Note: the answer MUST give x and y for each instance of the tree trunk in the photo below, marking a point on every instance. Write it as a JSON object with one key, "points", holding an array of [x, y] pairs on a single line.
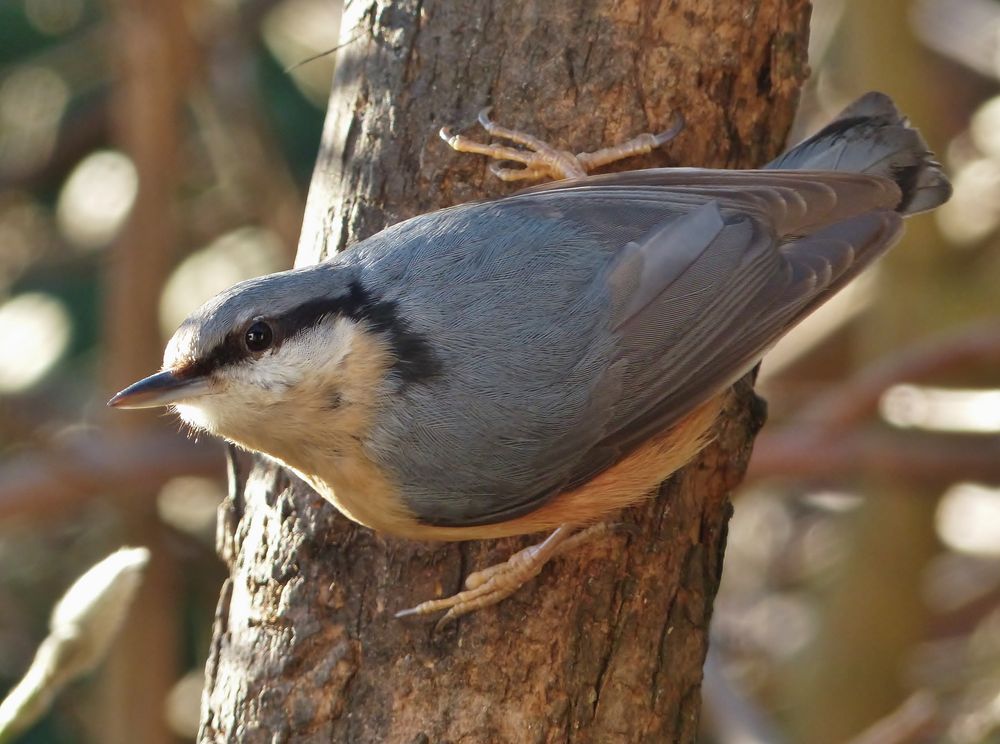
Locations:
{"points": [[607, 644]]}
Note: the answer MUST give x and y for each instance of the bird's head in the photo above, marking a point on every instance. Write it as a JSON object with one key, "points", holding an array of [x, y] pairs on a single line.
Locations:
{"points": [[282, 364]]}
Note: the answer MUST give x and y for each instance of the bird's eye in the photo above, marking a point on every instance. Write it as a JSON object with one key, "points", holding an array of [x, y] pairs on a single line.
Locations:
{"points": [[258, 336]]}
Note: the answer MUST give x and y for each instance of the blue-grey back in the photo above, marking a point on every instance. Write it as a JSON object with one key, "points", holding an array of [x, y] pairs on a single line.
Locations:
{"points": [[572, 321], [517, 313]]}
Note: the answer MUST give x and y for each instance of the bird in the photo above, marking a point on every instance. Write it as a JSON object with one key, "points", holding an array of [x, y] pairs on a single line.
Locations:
{"points": [[539, 361]]}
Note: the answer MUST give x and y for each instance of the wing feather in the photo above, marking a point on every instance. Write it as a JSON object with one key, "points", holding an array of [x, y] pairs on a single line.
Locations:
{"points": [[704, 271]]}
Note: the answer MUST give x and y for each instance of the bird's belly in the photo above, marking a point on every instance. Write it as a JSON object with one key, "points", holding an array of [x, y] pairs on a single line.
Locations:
{"points": [[625, 483], [363, 494]]}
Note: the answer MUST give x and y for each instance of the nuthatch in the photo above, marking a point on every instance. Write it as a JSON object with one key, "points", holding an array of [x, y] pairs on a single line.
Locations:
{"points": [[539, 361]]}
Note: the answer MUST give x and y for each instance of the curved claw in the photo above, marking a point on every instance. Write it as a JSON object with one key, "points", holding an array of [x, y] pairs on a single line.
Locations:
{"points": [[484, 118], [449, 617], [676, 127], [447, 135]]}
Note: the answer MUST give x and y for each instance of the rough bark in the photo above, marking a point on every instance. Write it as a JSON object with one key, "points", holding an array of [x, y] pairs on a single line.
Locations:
{"points": [[608, 643]]}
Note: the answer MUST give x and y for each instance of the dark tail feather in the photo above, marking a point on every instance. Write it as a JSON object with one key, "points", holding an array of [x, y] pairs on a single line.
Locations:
{"points": [[871, 136]]}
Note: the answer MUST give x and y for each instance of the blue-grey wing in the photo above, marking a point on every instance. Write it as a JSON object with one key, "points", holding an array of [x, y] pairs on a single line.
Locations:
{"points": [[572, 322]]}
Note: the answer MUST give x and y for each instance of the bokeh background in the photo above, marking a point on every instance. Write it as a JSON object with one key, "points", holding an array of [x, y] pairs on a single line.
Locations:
{"points": [[154, 152]]}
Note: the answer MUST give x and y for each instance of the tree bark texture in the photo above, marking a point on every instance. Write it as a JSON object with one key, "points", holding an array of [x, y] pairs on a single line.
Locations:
{"points": [[607, 644]]}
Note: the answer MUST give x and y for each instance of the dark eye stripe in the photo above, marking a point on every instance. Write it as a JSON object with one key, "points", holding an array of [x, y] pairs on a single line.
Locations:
{"points": [[415, 361], [230, 351]]}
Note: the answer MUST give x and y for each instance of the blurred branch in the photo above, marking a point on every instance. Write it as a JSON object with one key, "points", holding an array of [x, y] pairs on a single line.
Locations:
{"points": [[964, 30], [83, 131], [730, 716], [826, 438], [254, 177], [857, 399], [84, 623], [52, 482], [155, 59], [801, 451], [87, 126], [964, 619], [911, 722]]}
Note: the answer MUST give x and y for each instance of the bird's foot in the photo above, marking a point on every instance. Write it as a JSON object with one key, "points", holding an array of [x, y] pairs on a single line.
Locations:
{"points": [[494, 584], [541, 160]]}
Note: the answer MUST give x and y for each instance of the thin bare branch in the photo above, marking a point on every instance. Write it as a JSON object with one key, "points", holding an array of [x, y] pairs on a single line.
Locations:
{"points": [[801, 451], [52, 482], [857, 399], [910, 722]]}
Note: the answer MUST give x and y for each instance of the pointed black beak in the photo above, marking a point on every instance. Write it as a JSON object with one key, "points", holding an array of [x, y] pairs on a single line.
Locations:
{"points": [[160, 389]]}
